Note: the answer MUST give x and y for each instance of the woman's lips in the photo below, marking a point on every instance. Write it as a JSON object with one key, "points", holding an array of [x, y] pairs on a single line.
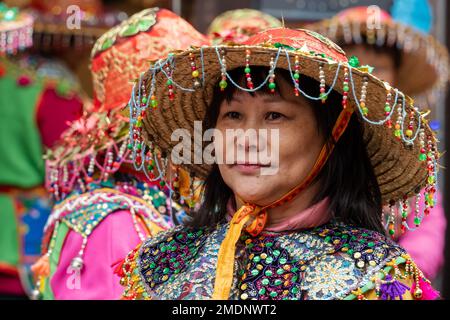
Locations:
{"points": [[249, 167]]}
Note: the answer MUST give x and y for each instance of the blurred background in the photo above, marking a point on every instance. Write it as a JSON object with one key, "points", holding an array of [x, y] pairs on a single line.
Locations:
{"points": [[61, 56]]}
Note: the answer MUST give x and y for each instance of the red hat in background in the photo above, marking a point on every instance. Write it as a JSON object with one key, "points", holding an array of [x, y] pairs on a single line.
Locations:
{"points": [[96, 145]]}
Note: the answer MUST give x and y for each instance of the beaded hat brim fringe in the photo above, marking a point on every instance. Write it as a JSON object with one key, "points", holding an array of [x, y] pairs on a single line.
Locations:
{"points": [[424, 68], [395, 159], [17, 34], [95, 146]]}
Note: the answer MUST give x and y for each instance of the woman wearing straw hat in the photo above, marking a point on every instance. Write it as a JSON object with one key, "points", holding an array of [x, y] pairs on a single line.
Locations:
{"points": [[104, 206], [305, 224], [238, 25], [416, 63]]}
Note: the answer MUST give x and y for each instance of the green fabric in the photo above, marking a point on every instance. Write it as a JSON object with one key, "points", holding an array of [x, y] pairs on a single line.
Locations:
{"points": [[21, 162], [9, 243], [61, 233]]}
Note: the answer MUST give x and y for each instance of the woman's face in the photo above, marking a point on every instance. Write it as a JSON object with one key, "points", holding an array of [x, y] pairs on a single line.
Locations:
{"points": [[298, 144]]}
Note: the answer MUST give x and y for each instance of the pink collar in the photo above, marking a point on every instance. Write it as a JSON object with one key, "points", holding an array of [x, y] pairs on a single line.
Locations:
{"points": [[311, 217]]}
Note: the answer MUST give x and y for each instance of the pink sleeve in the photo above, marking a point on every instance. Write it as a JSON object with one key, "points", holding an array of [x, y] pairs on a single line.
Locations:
{"points": [[426, 244], [110, 241]]}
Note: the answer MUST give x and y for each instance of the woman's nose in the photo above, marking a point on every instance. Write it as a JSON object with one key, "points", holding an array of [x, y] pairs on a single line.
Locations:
{"points": [[249, 140], [250, 143]]}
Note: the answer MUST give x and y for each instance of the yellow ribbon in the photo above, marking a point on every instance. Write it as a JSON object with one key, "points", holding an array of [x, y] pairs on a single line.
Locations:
{"points": [[225, 259]]}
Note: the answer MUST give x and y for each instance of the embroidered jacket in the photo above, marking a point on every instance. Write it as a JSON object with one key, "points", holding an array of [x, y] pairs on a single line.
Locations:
{"points": [[83, 211], [125, 212], [333, 261]]}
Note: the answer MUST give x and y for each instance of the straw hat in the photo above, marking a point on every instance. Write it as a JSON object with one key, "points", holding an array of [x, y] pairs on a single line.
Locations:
{"points": [[16, 29], [238, 25], [122, 53], [424, 69], [401, 146], [70, 24], [96, 145]]}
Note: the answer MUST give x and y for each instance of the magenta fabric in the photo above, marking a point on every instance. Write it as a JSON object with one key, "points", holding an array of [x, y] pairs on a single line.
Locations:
{"points": [[426, 244], [110, 241], [54, 114], [11, 285], [314, 216]]}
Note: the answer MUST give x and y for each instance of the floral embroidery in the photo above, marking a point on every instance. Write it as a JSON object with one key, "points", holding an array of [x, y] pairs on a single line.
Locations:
{"points": [[329, 275]]}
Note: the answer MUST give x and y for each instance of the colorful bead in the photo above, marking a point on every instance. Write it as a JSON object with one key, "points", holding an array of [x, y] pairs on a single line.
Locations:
{"points": [[362, 99], [345, 88], [247, 69], [354, 62], [387, 110], [195, 73], [153, 102], [272, 85], [398, 122], [323, 95], [223, 83], [296, 76], [170, 83]]}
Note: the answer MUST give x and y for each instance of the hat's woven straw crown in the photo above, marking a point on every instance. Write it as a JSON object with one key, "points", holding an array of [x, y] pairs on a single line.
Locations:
{"points": [[396, 162]]}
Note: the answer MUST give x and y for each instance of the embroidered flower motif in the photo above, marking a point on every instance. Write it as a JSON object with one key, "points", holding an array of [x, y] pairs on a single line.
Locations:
{"points": [[326, 277]]}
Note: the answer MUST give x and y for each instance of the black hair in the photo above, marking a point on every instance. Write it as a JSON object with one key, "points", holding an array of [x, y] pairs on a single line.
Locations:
{"points": [[347, 179]]}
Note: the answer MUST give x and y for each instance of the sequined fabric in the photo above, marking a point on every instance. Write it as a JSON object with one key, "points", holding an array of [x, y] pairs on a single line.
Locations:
{"points": [[324, 263]]}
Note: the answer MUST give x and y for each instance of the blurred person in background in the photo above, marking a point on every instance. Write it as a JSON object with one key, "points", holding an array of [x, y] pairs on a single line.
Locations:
{"points": [[104, 205], [39, 97], [236, 26]]}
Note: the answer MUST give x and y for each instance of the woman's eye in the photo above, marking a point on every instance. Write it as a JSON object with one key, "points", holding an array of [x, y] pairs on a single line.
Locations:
{"points": [[232, 115], [273, 116]]}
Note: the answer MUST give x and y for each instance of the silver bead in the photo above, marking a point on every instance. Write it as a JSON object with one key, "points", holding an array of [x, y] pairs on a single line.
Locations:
{"points": [[77, 263], [35, 294]]}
